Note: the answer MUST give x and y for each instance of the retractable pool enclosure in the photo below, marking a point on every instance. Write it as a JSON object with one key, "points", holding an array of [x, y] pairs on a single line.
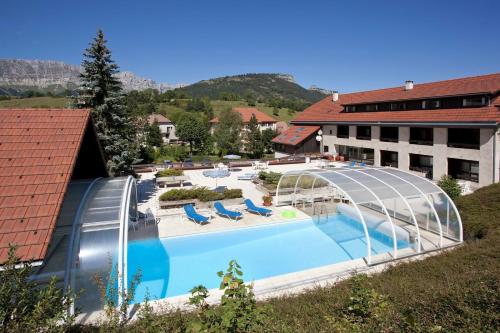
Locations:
{"points": [[98, 240], [411, 213]]}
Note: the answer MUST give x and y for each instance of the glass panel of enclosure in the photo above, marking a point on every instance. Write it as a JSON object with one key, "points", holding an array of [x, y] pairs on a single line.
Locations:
{"points": [[96, 245], [427, 223], [285, 189], [393, 208], [358, 211]]}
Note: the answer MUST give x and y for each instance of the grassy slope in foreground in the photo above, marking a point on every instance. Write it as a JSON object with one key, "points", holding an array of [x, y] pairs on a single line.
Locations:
{"points": [[457, 291], [36, 102]]}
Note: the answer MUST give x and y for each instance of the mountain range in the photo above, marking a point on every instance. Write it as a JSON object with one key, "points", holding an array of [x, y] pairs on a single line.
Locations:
{"points": [[18, 75]]}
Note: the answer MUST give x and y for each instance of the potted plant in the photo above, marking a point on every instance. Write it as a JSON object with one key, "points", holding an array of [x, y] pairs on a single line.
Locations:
{"points": [[267, 200]]}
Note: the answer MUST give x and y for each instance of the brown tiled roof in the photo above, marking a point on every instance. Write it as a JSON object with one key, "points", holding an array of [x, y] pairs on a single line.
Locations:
{"points": [[295, 135], [470, 85], [246, 114], [38, 150], [328, 111], [159, 118]]}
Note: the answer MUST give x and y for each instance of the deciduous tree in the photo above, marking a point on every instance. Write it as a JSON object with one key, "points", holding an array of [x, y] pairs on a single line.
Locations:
{"points": [[228, 132]]}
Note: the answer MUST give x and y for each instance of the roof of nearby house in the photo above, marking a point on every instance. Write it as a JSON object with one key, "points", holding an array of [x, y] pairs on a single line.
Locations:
{"points": [[159, 118], [38, 151], [295, 135], [328, 111], [246, 114]]}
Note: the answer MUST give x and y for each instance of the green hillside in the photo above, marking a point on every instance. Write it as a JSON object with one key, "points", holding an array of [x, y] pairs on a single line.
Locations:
{"points": [[262, 86], [36, 102], [170, 111]]}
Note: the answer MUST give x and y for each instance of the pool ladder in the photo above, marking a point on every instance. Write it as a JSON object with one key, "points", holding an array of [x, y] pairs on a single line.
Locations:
{"points": [[318, 210]]}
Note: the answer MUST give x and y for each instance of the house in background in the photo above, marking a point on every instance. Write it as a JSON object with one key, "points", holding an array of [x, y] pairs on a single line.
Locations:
{"points": [[296, 140], [281, 126], [441, 128], [167, 127], [264, 121]]}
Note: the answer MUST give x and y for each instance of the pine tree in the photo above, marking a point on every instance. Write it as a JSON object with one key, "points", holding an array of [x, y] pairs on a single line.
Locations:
{"points": [[254, 143], [101, 91]]}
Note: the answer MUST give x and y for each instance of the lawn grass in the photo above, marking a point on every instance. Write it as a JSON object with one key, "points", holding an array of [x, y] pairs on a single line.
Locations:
{"points": [[284, 113], [36, 102], [456, 291]]}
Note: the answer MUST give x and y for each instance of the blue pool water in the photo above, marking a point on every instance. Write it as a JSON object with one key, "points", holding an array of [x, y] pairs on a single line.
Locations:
{"points": [[172, 266]]}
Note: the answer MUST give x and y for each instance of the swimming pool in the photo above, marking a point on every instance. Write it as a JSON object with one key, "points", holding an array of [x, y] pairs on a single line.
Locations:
{"points": [[173, 266]]}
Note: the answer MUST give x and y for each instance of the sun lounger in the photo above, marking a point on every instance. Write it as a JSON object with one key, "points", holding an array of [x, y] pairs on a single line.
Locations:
{"points": [[257, 210], [222, 211], [247, 176], [194, 216], [352, 164]]}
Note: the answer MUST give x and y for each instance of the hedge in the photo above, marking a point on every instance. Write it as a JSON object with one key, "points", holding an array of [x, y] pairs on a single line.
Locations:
{"points": [[201, 193]]}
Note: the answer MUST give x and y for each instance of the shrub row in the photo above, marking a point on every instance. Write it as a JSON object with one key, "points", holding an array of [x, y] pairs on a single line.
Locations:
{"points": [[169, 173], [201, 193]]}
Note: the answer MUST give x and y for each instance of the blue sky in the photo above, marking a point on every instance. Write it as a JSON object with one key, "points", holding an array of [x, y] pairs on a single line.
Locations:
{"points": [[343, 45]]}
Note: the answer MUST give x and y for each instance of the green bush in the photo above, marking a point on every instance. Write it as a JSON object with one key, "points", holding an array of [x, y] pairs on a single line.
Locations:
{"points": [[238, 310], [201, 193], [169, 173], [27, 306], [232, 193], [450, 186], [270, 177]]}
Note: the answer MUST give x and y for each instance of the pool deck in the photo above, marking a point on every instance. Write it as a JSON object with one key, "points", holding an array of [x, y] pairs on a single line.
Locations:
{"points": [[177, 224]]}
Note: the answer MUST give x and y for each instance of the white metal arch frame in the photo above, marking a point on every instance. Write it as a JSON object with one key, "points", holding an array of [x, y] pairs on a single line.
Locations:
{"points": [[459, 218], [407, 205], [365, 228], [395, 241], [426, 199]]}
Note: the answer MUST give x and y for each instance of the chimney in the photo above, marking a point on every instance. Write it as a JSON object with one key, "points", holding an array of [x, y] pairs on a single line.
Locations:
{"points": [[335, 95], [409, 85]]}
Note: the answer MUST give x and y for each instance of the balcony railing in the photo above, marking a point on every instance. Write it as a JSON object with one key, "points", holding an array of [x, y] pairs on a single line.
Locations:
{"points": [[463, 145], [421, 142], [388, 139]]}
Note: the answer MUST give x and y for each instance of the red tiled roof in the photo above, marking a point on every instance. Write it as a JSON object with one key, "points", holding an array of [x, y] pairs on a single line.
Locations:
{"points": [[159, 118], [246, 114], [38, 149], [463, 86], [295, 135], [327, 110]]}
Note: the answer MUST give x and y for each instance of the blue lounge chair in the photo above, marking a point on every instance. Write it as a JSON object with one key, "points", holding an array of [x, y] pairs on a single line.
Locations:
{"points": [[352, 164], [222, 211], [194, 216], [362, 164], [257, 210]]}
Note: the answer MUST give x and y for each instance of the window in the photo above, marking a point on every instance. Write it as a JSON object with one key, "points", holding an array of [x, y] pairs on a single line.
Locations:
{"points": [[371, 107], [389, 134], [475, 101], [357, 154], [342, 131], [463, 169], [463, 138], [389, 158], [398, 106], [431, 104], [421, 163], [331, 132], [325, 149], [350, 108], [422, 136], [363, 132]]}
